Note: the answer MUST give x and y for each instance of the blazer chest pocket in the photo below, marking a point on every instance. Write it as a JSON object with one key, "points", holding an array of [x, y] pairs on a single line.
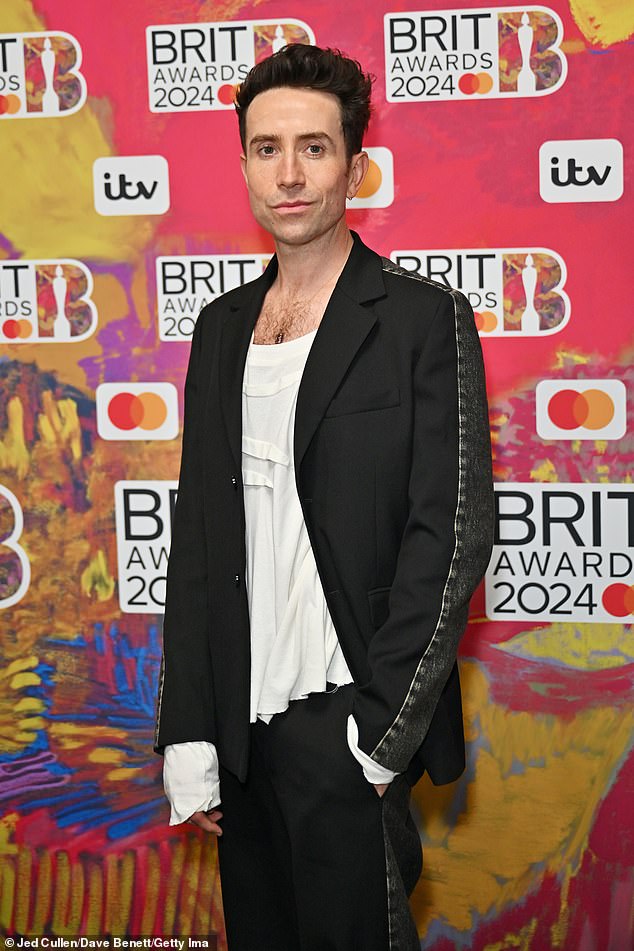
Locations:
{"points": [[348, 401], [379, 605]]}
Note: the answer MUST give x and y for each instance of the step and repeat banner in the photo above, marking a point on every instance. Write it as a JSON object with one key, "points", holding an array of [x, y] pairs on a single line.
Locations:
{"points": [[501, 164]]}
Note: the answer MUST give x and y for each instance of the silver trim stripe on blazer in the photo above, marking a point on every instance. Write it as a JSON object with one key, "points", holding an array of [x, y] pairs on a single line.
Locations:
{"points": [[417, 710]]}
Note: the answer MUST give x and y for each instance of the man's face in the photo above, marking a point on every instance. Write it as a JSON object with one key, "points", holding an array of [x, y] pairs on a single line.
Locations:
{"points": [[295, 166]]}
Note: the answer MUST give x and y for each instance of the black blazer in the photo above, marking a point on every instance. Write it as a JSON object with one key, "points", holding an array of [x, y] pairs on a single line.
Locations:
{"points": [[393, 471]]}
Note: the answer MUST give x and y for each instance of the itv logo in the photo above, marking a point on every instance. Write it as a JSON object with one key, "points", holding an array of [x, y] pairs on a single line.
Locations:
{"points": [[131, 185], [581, 170]]}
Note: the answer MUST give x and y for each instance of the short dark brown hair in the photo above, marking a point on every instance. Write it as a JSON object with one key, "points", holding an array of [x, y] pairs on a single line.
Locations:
{"points": [[310, 67]]}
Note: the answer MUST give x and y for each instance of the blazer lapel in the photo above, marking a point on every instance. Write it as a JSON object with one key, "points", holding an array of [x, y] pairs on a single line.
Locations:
{"points": [[342, 330], [234, 344]]}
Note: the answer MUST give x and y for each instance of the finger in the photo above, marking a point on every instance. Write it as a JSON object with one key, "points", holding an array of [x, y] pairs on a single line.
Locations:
{"points": [[207, 822]]}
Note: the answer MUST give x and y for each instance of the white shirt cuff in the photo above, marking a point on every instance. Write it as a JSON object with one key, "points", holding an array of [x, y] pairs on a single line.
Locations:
{"points": [[191, 779], [373, 772]]}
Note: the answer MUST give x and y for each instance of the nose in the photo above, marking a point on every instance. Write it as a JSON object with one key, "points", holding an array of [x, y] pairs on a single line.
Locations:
{"points": [[290, 172]]}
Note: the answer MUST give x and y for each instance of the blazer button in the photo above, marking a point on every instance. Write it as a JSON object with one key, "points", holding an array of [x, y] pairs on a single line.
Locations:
{"points": [[236, 581], [234, 483]]}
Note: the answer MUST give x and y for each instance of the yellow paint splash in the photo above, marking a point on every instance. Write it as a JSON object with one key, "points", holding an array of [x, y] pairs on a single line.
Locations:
{"points": [[124, 774], [68, 896], [559, 928], [26, 679], [13, 452], [566, 358], [19, 719], [7, 828], [521, 941], [604, 22], [119, 886], [95, 899], [104, 754], [97, 580], [71, 736], [572, 46], [59, 424], [544, 472], [23, 874], [583, 647], [152, 887]]}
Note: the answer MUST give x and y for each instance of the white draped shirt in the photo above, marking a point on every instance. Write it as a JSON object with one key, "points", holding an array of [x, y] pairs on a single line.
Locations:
{"points": [[294, 646]]}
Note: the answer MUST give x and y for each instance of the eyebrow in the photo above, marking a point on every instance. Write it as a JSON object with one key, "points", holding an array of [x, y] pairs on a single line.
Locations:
{"points": [[258, 139]]}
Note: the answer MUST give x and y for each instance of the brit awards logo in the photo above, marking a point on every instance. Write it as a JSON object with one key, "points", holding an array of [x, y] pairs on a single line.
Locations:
{"points": [[377, 188], [46, 301], [187, 283], [562, 552], [39, 75], [580, 409], [514, 292], [15, 569], [137, 410], [436, 55], [143, 516], [196, 66]]}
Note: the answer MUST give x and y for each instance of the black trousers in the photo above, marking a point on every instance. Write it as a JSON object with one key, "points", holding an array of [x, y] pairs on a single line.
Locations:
{"points": [[311, 858]]}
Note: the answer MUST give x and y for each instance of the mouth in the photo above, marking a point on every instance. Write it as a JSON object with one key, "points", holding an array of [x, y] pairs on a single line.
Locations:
{"points": [[291, 206]]}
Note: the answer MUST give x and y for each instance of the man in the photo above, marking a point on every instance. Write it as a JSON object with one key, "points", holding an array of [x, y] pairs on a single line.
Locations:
{"points": [[334, 516]]}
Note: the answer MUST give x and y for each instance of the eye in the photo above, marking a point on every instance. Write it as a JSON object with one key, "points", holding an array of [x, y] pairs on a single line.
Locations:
{"points": [[315, 148], [266, 150]]}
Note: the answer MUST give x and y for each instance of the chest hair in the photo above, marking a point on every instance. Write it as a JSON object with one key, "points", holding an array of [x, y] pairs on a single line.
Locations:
{"points": [[283, 320]]}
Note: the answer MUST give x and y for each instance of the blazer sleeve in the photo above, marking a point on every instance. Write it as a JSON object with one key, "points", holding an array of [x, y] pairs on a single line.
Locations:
{"points": [[445, 547], [184, 706]]}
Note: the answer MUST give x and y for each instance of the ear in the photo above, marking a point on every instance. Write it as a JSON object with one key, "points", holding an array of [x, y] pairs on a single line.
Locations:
{"points": [[359, 165], [243, 166]]}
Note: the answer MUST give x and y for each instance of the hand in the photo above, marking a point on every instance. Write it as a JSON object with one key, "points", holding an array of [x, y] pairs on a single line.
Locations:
{"points": [[380, 788], [207, 821]]}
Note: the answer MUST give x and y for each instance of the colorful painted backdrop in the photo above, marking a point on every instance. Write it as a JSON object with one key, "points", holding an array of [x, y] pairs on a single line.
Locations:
{"points": [[500, 138]]}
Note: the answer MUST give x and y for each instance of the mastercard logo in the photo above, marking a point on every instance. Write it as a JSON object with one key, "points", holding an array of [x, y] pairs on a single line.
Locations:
{"points": [[147, 411], [581, 409], [377, 188], [618, 599], [486, 321], [471, 84], [137, 411], [10, 104], [569, 409], [17, 329]]}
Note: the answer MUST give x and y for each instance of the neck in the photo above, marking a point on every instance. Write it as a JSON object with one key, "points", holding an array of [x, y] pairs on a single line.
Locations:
{"points": [[303, 268]]}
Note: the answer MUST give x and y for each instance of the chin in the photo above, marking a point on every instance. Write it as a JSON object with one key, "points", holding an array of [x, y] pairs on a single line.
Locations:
{"points": [[296, 234]]}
